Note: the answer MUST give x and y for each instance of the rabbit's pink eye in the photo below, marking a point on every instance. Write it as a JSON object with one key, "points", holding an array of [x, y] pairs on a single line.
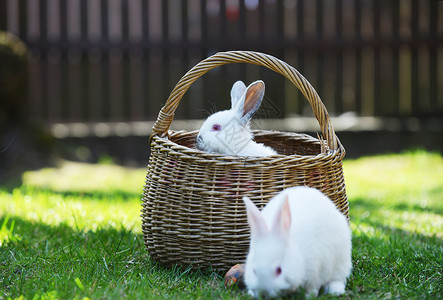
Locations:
{"points": [[278, 271], [216, 127]]}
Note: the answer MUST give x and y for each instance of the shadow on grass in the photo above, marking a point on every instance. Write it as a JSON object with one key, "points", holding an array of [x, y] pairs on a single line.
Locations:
{"points": [[49, 258], [369, 205], [106, 263], [23, 147], [99, 195], [390, 259]]}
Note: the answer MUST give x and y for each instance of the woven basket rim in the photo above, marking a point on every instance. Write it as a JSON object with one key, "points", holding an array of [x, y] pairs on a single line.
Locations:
{"points": [[197, 154]]}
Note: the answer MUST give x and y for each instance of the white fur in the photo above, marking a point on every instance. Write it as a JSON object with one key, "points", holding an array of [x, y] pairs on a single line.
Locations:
{"points": [[235, 136], [306, 236]]}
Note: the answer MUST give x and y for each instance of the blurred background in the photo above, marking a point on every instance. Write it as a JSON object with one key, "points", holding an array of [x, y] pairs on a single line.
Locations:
{"points": [[88, 77]]}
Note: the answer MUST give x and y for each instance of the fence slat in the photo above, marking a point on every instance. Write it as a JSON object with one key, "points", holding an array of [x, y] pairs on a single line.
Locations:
{"points": [[338, 103], [3, 18], [395, 56], [414, 59], [358, 69], [300, 52], [433, 18]]}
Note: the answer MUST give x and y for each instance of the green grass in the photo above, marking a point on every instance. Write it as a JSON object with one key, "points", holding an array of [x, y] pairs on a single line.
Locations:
{"points": [[75, 232]]}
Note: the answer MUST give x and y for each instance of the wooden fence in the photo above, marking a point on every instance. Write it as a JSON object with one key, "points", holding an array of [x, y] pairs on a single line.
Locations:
{"points": [[117, 60]]}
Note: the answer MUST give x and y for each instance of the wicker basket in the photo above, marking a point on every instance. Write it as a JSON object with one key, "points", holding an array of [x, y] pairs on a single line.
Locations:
{"points": [[193, 213]]}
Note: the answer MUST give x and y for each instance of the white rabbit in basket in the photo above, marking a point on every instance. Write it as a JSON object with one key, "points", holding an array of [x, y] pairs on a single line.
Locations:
{"points": [[299, 240], [228, 132]]}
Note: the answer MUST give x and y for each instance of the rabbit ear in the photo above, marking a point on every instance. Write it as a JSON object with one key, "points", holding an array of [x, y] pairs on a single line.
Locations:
{"points": [[250, 101], [255, 219], [237, 91], [282, 222]]}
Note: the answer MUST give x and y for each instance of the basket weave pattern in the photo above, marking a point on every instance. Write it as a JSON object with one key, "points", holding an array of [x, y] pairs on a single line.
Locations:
{"points": [[193, 211]]}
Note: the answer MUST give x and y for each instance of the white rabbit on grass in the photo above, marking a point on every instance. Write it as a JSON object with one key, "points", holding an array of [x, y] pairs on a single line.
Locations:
{"points": [[299, 240], [228, 132]]}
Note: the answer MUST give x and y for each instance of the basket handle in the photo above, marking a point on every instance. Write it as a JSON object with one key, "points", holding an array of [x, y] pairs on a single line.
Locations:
{"points": [[166, 114]]}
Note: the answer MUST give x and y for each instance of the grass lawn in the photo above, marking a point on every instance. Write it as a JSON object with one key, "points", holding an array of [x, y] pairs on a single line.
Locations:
{"points": [[75, 232]]}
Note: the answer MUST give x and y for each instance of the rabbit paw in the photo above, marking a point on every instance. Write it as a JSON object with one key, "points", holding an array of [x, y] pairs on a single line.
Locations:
{"points": [[335, 288]]}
